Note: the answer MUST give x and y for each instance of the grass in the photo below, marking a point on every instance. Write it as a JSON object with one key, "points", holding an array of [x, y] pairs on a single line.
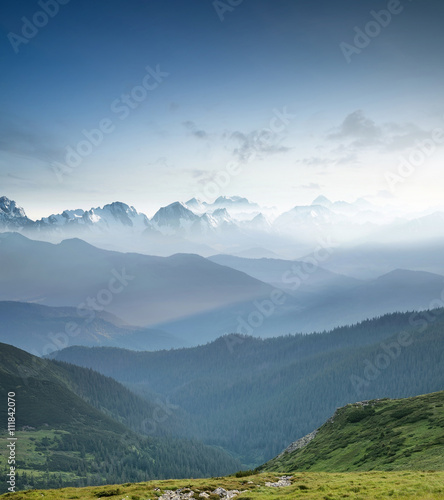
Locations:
{"points": [[34, 454], [403, 434], [416, 485]]}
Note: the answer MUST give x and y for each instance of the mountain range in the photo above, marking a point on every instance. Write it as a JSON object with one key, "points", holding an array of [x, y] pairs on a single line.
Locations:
{"points": [[231, 225], [41, 329], [182, 300]]}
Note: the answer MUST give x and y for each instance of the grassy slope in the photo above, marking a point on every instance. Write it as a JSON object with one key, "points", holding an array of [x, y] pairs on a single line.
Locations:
{"points": [[307, 485], [384, 435], [396, 434]]}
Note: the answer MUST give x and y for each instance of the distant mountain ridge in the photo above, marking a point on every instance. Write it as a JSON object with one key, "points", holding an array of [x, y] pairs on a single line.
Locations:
{"points": [[185, 299], [231, 225], [42, 329], [142, 290]]}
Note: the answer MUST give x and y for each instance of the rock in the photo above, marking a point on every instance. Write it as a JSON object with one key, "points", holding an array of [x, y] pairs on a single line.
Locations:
{"points": [[283, 481], [204, 495], [220, 491], [300, 443], [226, 495], [232, 493], [176, 495]]}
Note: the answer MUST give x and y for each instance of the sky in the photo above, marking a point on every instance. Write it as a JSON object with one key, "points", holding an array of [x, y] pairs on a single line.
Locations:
{"points": [[154, 101]]}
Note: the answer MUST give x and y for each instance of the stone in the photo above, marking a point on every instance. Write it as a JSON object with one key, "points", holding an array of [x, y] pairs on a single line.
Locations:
{"points": [[283, 481]]}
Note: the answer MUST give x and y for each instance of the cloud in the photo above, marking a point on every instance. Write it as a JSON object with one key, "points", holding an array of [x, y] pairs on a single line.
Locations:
{"points": [[196, 172], [358, 128], [256, 144], [316, 161], [161, 161], [358, 131], [193, 129], [203, 177], [312, 186], [243, 146], [405, 136], [16, 180], [339, 156]]}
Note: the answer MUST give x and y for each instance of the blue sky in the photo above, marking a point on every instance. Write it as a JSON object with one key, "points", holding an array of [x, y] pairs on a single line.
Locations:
{"points": [[255, 98]]}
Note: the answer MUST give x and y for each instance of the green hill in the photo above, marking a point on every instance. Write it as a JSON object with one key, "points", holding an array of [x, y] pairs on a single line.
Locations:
{"points": [[379, 435], [65, 439]]}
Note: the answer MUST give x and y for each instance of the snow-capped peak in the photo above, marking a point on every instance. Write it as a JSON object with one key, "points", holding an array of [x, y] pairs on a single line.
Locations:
{"points": [[12, 216], [323, 201], [221, 214], [234, 201], [9, 208], [174, 216], [116, 214], [196, 205]]}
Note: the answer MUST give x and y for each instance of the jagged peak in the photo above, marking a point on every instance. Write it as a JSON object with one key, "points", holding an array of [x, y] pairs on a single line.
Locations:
{"points": [[9, 207], [322, 200]]}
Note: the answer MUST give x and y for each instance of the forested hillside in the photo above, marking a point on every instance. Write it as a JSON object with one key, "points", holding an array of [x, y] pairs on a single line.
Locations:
{"points": [[253, 397], [65, 440]]}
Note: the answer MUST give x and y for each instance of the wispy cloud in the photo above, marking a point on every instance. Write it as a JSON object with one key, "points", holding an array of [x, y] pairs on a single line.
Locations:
{"points": [[162, 161], [338, 156], [316, 161], [357, 127], [357, 131], [256, 144], [194, 130]]}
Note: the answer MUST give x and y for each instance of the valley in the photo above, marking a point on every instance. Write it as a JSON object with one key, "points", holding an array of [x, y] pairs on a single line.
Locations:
{"points": [[221, 250]]}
